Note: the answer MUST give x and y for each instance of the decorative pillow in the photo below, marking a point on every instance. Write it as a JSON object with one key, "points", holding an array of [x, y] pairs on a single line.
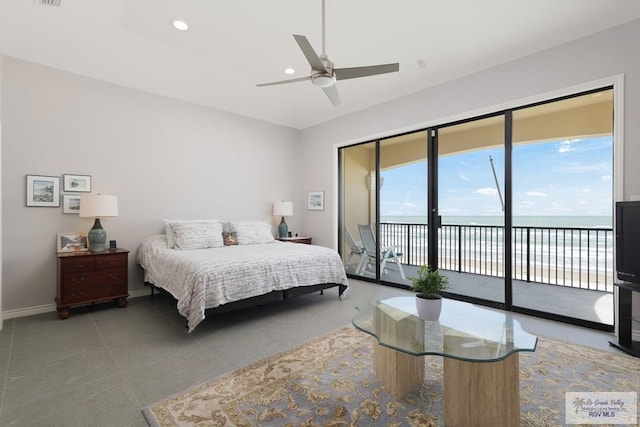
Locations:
{"points": [[230, 238], [171, 241], [252, 232], [197, 235]]}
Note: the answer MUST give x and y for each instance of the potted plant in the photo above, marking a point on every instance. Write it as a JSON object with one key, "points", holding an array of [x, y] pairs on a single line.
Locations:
{"points": [[429, 284]]}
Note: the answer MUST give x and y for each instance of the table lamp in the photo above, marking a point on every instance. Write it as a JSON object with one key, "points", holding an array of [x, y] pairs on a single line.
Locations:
{"points": [[283, 209], [98, 206]]}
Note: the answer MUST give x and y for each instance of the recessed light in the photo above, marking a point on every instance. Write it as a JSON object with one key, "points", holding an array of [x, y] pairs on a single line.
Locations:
{"points": [[289, 70], [180, 25]]}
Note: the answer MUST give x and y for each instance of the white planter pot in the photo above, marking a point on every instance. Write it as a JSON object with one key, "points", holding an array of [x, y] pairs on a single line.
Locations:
{"points": [[428, 309]]}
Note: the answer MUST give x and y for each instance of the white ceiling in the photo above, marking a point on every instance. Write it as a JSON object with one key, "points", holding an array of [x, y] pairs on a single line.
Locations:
{"points": [[232, 45]]}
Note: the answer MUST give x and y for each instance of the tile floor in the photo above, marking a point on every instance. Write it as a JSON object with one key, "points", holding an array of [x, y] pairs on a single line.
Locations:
{"points": [[103, 364]]}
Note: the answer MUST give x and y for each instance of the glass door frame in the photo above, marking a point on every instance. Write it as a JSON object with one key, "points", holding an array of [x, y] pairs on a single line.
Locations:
{"points": [[433, 218]]}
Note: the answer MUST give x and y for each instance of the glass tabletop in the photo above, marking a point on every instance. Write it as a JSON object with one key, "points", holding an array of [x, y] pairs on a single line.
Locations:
{"points": [[464, 331]]}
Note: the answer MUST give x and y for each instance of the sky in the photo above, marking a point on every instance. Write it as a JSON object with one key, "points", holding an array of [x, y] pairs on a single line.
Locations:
{"points": [[560, 178]]}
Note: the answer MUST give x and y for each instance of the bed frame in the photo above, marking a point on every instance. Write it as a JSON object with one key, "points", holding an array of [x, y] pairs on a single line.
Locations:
{"points": [[272, 296]]}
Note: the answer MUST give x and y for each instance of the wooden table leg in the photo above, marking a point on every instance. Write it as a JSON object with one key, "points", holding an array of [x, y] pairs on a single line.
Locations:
{"points": [[482, 394], [399, 372]]}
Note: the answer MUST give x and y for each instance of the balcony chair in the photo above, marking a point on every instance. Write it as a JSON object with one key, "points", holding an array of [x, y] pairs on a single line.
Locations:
{"points": [[356, 248], [387, 254]]}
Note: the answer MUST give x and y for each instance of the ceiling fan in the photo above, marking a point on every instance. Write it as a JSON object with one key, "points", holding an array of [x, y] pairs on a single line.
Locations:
{"points": [[323, 73]]}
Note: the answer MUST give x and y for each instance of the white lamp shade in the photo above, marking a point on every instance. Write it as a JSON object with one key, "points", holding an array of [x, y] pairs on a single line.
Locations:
{"points": [[98, 205], [279, 208]]}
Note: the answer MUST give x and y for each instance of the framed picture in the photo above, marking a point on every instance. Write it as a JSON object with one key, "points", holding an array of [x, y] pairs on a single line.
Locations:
{"points": [[77, 183], [43, 191], [315, 201], [70, 204], [72, 242]]}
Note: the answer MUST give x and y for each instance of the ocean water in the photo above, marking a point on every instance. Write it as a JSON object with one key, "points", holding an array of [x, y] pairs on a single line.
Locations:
{"points": [[590, 248], [524, 221]]}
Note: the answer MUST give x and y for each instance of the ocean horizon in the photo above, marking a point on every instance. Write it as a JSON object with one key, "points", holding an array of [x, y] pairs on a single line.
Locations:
{"points": [[524, 221]]}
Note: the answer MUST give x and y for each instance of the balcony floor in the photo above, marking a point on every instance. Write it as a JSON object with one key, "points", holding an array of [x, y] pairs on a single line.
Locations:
{"points": [[584, 304]]}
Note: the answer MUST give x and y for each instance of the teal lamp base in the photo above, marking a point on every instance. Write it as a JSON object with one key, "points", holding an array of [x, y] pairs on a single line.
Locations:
{"points": [[283, 229], [97, 237]]}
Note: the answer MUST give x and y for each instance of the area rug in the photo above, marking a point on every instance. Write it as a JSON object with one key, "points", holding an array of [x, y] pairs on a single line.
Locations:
{"points": [[329, 382]]}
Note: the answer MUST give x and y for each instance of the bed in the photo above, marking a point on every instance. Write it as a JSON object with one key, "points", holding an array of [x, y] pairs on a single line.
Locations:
{"points": [[253, 270]]}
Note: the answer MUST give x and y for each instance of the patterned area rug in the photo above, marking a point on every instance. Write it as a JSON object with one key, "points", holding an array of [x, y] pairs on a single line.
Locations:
{"points": [[329, 382]]}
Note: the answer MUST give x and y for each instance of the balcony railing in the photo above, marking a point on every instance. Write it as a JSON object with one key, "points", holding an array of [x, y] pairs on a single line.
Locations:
{"points": [[564, 256]]}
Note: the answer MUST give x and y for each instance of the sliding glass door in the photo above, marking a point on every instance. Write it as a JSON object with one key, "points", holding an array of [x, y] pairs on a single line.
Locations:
{"points": [[562, 211], [402, 230], [383, 208], [515, 207], [471, 206]]}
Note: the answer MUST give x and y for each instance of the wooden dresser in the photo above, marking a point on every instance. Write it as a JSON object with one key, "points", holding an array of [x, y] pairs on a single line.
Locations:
{"points": [[91, 277]]}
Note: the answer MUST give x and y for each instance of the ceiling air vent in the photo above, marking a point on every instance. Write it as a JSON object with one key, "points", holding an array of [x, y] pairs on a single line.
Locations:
{"points": [[55, 3]]}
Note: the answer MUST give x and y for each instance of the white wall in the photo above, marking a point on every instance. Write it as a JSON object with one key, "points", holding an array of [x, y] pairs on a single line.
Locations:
{"points": [[163, 159], [1, 150], [600, 56]]}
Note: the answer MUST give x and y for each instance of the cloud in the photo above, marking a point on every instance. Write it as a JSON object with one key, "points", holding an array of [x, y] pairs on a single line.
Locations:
{"points": [[487, 191], [535, 194], [586, 190], [409, 205], [606, 178], [463, 177], [567, 145]]}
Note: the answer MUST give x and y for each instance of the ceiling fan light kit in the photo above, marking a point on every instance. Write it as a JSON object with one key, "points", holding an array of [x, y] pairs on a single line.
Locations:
{"points": [[324, 75], [323, 80]]}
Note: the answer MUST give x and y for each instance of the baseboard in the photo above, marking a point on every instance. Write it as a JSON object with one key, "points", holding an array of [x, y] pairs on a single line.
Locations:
{"points": [[47, 308]]}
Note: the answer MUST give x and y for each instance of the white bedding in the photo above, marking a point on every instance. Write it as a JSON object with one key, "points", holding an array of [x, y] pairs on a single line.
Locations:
{"points": [[207, 278]]}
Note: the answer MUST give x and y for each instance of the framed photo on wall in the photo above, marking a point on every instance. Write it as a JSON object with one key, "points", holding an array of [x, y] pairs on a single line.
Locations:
{"points": [[77, 183], [72, 242], [43, 191], [315, 201], [70, 204]]}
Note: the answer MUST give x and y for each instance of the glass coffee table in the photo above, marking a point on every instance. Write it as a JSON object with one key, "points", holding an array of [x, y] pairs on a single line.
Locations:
{"points": [[480, 349]]}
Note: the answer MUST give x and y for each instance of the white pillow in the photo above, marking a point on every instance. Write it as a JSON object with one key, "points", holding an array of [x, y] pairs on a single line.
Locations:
{"points": [[197, 235], [171, 241], [252, 232]]}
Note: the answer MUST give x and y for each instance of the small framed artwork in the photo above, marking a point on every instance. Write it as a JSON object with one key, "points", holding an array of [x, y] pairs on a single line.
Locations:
{"points": [[315, 201], [77, 183], [43, 191], [72, 242], [70, 204]]}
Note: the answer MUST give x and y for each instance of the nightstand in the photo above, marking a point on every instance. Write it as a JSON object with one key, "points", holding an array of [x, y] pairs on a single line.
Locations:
{"points": [[299, 239], [92, 277]]}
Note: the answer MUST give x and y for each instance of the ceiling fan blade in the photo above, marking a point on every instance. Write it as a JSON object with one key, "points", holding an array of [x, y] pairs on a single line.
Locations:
{"points": [[372, 70], [332, 93], [281, 82], [309, 53]]}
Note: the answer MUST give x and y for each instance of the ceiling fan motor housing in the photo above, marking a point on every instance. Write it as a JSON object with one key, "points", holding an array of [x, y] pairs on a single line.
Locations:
{"points": [[324, 79]]}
